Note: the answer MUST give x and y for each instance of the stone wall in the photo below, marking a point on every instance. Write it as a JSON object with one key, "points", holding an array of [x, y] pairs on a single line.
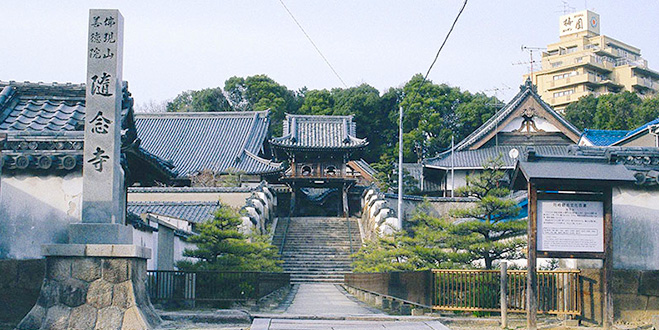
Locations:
{"points": [[635, 299], [20, 284], [439, 206]]}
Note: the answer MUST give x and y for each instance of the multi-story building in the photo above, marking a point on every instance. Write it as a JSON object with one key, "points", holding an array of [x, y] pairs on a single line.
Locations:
{"points": [[584, 62]]}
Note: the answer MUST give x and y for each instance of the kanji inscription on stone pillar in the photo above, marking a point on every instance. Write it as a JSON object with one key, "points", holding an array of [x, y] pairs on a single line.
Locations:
{"points": [[102, 173]]}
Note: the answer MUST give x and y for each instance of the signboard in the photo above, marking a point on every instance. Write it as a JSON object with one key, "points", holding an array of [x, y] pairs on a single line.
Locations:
{"points": [[579, 22], [570, 226]]}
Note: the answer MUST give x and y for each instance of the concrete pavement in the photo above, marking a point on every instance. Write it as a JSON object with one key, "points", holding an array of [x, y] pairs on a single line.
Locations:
{"points": [[319, 306]]}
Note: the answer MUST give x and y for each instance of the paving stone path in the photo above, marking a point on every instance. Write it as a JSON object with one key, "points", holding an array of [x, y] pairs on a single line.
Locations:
{"points": [[323, 306]]}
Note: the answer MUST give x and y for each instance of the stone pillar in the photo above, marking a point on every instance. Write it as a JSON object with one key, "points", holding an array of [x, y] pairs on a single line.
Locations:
{"points": [[93, 287], [98, 281]]}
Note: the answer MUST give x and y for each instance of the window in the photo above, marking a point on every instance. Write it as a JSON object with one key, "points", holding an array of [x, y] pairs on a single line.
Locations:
{"points": [[571, 49], [564, 93]]}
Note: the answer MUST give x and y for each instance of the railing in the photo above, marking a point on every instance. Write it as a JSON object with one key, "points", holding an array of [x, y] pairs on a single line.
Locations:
{"points": [[163, 285], [283, 237], [559, 292], [479, 290]]}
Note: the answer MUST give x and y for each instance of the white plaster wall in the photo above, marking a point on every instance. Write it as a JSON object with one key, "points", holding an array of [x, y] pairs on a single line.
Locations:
{"points": [[236, 200], [636, 228], [147, 239], [35, 210], [180, 246], [540, 123]]}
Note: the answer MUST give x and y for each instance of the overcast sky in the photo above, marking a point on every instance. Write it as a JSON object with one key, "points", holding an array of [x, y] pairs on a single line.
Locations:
{"points": [[172, 46]]}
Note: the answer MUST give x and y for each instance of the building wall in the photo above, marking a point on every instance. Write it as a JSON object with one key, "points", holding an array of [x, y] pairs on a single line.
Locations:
{"points": [[36, 210], [233, 199], [636, 228]]}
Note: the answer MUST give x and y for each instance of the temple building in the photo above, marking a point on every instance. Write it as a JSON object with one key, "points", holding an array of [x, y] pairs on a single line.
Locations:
{"points": [[209, 148], [321, 152], [525, 121]]}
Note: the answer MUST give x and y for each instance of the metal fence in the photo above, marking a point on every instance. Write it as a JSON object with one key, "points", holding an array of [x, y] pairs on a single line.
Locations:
{"points": [[559, 292], [164, 285], [480, 290]]}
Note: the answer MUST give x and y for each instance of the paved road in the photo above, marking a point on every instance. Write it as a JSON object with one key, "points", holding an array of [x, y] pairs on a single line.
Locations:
{"points": [[327, 306], [326, 299]]}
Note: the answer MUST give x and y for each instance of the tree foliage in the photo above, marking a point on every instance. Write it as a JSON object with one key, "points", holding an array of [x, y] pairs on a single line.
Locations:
{"points": [[490, 230], [432, 115], [621, 111], [221, 246], [205, 100]]}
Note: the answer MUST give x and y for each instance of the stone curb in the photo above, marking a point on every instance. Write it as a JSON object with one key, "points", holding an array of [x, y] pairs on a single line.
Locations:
{"points": [[213, 317]]}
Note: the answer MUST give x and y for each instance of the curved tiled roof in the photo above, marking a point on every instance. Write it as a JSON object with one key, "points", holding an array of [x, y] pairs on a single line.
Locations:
{"points": [[319, 132], [218, 141], [474, 159], [600, 137], [41, 107], [195, 212]]}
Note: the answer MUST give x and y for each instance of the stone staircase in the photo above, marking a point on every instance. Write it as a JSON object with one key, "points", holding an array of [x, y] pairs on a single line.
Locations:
{"points": [[317, 249]]}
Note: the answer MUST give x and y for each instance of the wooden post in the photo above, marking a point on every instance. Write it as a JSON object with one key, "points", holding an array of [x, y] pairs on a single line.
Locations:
{"points": [[532, 276], [504, 294], [608, 260]]}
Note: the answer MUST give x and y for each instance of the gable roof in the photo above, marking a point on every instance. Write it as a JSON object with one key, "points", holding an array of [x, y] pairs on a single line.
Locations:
{"points": [[44, 123], [490, 127], [633, 134], [319, 132], [194, 212], [601, 137], [217, 141]]}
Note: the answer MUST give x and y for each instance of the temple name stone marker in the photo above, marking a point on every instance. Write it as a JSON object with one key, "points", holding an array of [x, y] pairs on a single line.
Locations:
{"points": [[98, 280], [103, 212]]}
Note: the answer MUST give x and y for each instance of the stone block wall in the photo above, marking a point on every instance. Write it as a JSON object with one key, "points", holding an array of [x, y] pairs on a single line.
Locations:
{"points": [[635, 298], [20, 283]]}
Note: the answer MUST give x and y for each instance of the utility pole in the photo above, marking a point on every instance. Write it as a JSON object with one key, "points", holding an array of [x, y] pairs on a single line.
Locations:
{"points": [[400, 167]]}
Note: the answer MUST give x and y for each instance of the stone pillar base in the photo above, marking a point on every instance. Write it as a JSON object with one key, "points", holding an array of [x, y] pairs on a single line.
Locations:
{"points": [[93, 287]]}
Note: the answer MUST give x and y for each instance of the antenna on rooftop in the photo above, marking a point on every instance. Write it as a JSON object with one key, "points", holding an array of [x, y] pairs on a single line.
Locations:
{"points": [[567, 9], [496, 91], [531, 62]]}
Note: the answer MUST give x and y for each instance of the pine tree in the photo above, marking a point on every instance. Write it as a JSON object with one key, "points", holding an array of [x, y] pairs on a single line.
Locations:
{"points": [[220, 246], [490, 230]]}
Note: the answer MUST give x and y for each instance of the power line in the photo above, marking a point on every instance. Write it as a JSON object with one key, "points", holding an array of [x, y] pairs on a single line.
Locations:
{"points": [[445, 39], [400, 122], [312, 43]]}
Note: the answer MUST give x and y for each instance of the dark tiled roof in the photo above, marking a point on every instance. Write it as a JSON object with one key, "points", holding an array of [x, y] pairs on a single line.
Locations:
{"points": [[41, 107], [600, 137], [218, 141], [474, 159], [319, 132], [526, 90], [195, 212], [575, 168], [45, 121]]}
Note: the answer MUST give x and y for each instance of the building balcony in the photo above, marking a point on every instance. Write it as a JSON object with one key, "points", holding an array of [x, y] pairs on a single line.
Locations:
{"points": [[566, 99], [643, 83], [580, 60], [572, 80]]}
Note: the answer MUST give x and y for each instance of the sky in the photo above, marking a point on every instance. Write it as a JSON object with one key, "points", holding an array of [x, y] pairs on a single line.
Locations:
{"points": [[174, 46]]}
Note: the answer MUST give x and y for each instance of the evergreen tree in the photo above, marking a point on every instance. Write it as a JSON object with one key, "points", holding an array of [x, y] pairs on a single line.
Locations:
{"points": [[220, 246], [490, 230]]}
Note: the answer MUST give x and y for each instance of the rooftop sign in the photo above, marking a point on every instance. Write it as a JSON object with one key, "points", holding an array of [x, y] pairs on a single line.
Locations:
{"points": [[585, 20]]}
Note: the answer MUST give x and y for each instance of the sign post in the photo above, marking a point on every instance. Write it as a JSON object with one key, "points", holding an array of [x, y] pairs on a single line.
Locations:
{"points": [[570, 203]]}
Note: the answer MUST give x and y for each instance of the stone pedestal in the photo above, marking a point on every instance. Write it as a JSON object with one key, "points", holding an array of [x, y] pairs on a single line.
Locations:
{"points": [[93, 286]]}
